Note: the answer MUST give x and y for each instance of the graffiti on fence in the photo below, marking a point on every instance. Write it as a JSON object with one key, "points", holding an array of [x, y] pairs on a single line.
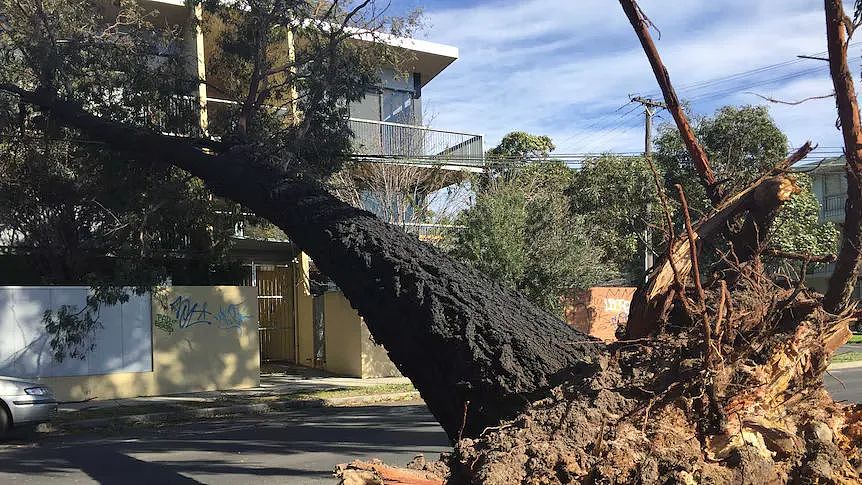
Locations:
{"points": [[185, 312], [190, 313], [618, 308], [231, 316]]}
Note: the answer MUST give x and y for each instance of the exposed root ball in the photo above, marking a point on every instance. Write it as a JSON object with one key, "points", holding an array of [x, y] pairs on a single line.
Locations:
{"points": [[752, 410]]}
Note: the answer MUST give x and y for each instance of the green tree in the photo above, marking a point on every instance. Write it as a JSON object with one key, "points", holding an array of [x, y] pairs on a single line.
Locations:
{"points": [[742, 143], [66, 214], [617, 196], [521, 233], [522, 145], [514, 150], [797, 228]]}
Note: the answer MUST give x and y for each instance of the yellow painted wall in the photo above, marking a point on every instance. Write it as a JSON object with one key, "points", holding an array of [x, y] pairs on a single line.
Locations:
{"points": [[343, 336], [204, 338], [304, 314], [375, 359], [350, 350]]}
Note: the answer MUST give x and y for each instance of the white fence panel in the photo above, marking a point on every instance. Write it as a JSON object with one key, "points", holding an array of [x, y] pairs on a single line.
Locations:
{"points": [[123, 343]]}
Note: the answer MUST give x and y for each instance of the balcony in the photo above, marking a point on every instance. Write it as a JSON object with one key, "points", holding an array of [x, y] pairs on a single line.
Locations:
{"points": [[396, 142], [419, 145], [832, 207], [252, 227], [435, 234]]}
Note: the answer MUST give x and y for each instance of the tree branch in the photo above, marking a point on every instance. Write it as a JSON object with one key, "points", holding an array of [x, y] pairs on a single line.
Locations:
{"points": [[811, 258], [791, 103], [695, 151]]}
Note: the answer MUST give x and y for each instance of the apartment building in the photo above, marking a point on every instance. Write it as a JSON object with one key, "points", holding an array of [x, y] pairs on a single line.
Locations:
{"points": [[299, 321], [829, 184]]}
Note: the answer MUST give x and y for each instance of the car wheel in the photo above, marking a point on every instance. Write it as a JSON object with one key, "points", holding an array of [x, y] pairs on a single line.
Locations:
{"points": [[5, 421]]}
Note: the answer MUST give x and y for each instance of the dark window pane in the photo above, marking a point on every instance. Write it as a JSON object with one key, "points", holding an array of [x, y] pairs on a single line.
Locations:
{"points": [[398, 107], [367, 108]]}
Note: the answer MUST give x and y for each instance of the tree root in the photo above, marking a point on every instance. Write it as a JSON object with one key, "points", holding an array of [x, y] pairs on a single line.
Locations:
{"points": [[657, 412]]}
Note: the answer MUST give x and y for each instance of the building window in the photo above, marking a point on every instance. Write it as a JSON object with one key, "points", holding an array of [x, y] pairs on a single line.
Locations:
{"points": [[834, 184], [367, 108], [398, 107], [390, 105]]}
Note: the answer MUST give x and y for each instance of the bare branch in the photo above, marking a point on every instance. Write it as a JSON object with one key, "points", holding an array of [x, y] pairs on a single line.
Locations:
{"points": [[695, 150], [791, 103], [813, 258]]}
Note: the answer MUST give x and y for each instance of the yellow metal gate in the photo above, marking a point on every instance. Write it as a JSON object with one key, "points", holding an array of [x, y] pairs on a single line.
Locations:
{"points": [[276, 312]]}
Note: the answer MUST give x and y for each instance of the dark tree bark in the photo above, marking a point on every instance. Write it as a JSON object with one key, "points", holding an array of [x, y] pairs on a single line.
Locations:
{"points": [[476, 352]]}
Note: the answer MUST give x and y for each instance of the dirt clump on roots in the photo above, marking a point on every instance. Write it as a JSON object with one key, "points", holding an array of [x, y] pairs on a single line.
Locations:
{"points": [[751, 409]]}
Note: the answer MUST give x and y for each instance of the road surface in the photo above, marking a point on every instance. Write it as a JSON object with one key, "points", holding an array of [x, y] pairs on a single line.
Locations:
{"points": [[845, 384], [296, 447]]}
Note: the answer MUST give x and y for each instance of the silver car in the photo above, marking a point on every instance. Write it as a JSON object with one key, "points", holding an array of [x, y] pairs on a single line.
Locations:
{"points": [[24, 403]]}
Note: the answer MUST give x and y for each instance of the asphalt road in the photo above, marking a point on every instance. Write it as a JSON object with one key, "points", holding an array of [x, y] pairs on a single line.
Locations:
{"points": [[845, 384], [296, 447]]}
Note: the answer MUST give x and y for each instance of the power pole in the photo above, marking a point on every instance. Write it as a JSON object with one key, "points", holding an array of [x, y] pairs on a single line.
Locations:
{"points": [[650, 108]]}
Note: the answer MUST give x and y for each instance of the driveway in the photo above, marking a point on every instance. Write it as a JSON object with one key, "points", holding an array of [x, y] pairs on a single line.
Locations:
{"points": [[298, 447]]}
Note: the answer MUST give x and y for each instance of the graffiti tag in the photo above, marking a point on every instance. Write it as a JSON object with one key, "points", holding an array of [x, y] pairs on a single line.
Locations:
{"points": [[231, 316], [617, 305], [189, 313], [620, 308]]}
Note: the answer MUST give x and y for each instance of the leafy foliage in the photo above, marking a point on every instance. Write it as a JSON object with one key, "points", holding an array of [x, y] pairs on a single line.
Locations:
{"points": [[617, 197], [521, 232], [76, 211], [73, 211], [519, 144], [514, 150], [289, 71], [797, 227], [742, 143]]}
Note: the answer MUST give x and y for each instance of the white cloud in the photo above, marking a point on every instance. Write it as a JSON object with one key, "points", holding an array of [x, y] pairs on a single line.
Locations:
{"points": [[563, 68]]}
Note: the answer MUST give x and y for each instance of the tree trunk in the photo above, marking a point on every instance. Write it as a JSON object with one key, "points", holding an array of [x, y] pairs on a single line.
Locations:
{"points": [[843, 280], [476, 352]]}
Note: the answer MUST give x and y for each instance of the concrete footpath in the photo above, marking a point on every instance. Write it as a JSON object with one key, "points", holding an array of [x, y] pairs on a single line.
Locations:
{"points": [[285, 387], [281, 387], [854, 349]]}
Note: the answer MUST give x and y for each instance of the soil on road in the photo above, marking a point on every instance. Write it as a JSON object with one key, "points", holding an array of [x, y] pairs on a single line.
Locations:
{"points": [[299, 447]]}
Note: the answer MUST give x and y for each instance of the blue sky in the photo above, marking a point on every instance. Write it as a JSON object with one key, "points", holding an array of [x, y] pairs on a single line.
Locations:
{"points": [[565, 68]]}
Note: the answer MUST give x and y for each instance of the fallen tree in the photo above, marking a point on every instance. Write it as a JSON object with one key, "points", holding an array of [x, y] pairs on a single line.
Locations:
{"points": [[719, 381]]}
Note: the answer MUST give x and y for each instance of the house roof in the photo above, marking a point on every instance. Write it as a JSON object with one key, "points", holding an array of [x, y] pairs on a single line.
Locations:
{"points": [[825, 165], [427, 58]]}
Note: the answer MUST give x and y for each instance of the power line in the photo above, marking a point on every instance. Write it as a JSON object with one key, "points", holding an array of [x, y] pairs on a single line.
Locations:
{"points": [[742, 74], [617, 126]]}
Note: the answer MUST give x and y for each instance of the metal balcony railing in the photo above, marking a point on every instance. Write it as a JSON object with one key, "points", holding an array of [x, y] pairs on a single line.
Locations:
{"points": [[431, 233], [416, 144], [832, 206]]}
